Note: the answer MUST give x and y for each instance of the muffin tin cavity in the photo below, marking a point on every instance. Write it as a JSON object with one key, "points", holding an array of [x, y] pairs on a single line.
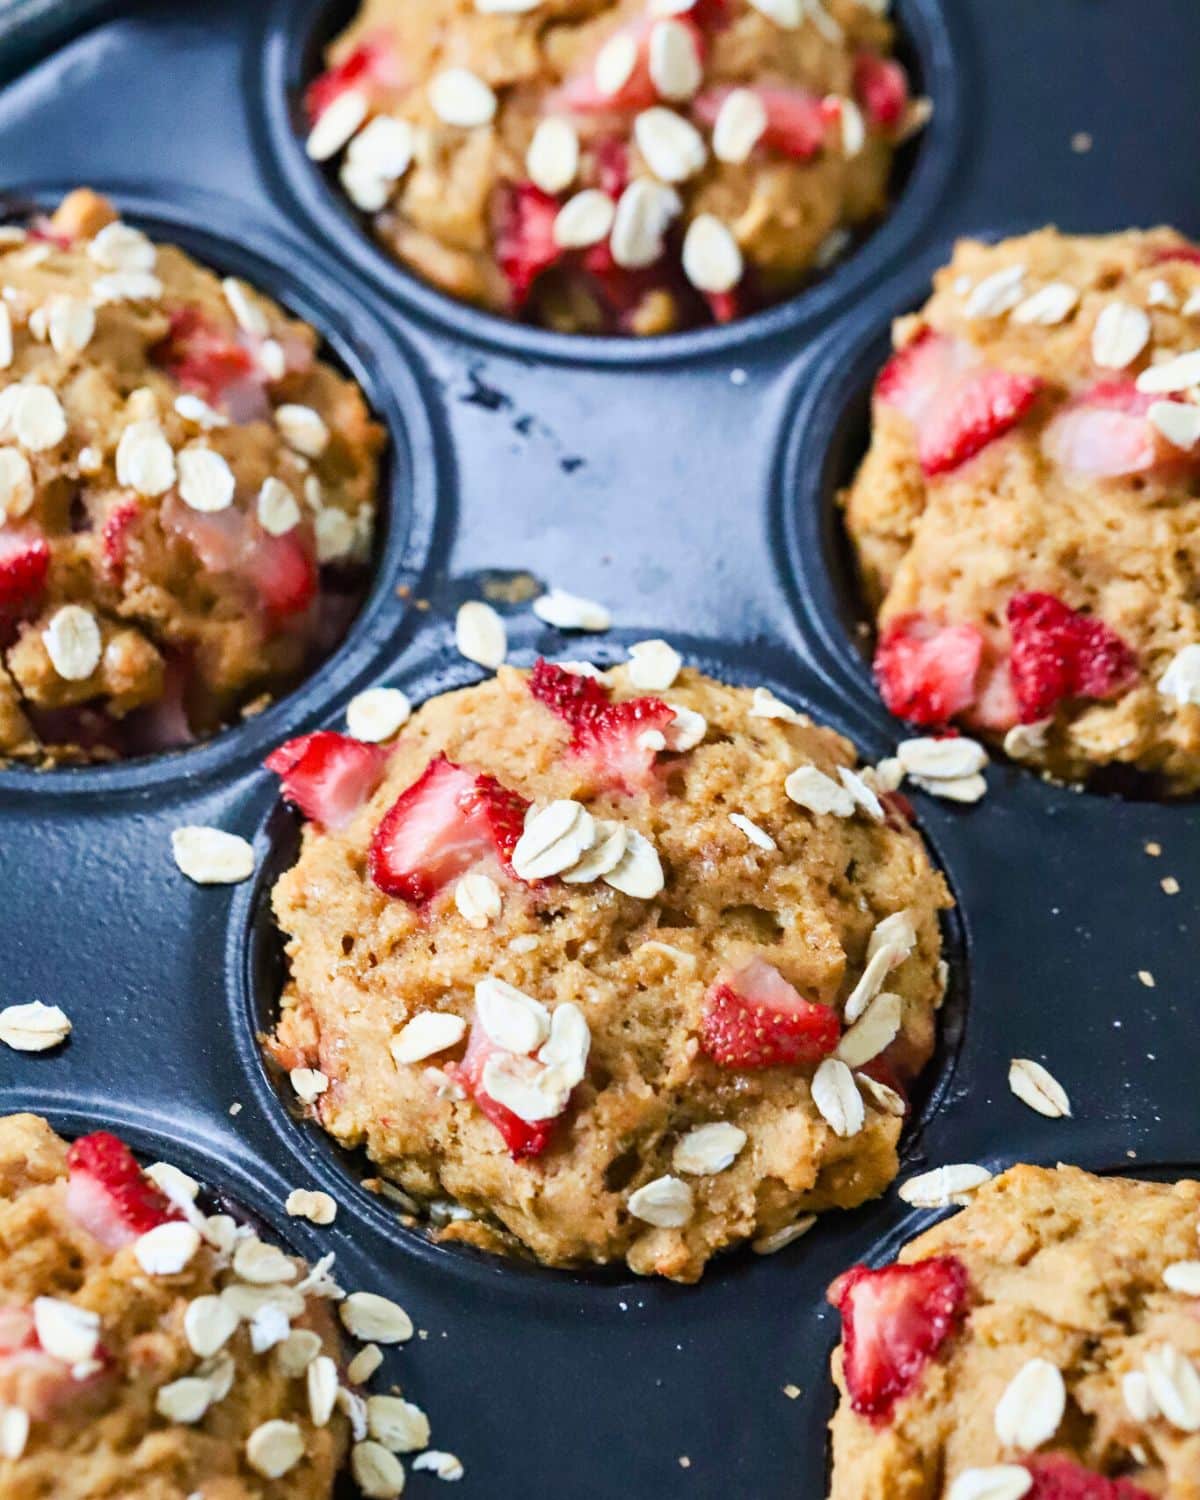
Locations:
{"points": [[927, 45]]}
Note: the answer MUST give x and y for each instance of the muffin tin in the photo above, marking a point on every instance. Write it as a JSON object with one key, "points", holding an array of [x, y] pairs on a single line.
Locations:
{"points": [[689, 483]]}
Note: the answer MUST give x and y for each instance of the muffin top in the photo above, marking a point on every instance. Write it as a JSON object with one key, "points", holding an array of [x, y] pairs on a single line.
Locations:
{"points": [[625, 976], [1042, 1344], [1026, 518], [183, 486], [614, 166]]}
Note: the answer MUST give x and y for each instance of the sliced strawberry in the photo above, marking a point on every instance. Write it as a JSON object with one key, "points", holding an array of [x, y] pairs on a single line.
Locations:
{"points": [[1056, 1477], [109, 1195], [610, 164], [37, 1382], [1060, 653], [711, 15], [926, 671], [580, 93], [894, 1321], [797, 122], [1189, 254], [328, 776], [119, 525], [202, 356], [24, 563], [372, 62], [284, 572], [523, 1139], [610, 736], [724, 306], [881, 88], [43, 230], [524, 237], [447, 821], [755, 1019], [1104, 432], [957, 404]]}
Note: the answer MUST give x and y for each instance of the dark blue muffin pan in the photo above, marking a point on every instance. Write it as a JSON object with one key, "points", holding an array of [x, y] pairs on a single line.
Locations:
{"points": [[689, 484]]}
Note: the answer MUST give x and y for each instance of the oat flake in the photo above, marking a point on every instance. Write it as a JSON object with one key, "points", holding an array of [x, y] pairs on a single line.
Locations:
{"points": [[33, 1027], [1036, 1086]]}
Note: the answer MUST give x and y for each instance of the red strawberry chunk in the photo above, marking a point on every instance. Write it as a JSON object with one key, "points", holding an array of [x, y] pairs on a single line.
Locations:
{"points": [[372, 62], [609, 736], [328, 776], [1056, 1477], [1189, 254], [284, 572], [109, 1195], [580, 93], [118, 526], [927, 672], [894, 1321], [447, 821], [1104, 432], [610, 164], [524, 237], [755, 1019], [957, 404], [797, 121], [24, 563], [881, 88], [522, 1137], [202, 356], [37, 1382], [1061, 653]]}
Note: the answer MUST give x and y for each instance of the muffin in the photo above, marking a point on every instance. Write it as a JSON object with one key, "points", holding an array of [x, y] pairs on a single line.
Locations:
{"points": [[149, 1351], [1044, 1344], [603, 975], [614, 166], [1026, 519], [187, 493]]}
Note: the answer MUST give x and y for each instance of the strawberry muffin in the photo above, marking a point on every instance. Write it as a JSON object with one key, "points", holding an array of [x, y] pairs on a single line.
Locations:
{"points": [[150, 1350], [614, 166], [187, 493], [1027, 519], [624, 975], [1042, 1345]]}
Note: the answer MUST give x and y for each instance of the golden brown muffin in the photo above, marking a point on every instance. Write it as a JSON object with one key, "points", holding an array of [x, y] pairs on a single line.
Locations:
{"points": [[1027, 516], [1044, 1343], [614, 165], [184, 486], [586, 961]]}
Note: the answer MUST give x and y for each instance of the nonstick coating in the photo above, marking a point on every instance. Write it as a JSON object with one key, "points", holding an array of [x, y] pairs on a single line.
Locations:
{"points": [[689, 484]]}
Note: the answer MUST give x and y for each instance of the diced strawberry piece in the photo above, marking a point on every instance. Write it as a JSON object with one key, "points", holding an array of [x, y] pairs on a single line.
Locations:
{"points": [[1057, 1477], [580, 94], [202, 356], [755, 1019], [711, 15], [1104, 432], [610, 165], [24, 563], [17, 1329], [284, 571], [881, 88], [797, 121], [447, 821], [957, 404], [724, 306], [524, 237], [372, 62], [894, 1321], [1189, 254], [995, 705], [109, 1195], [43, 230], [1060, 653], [328, 776], [118, 526], [927, 672], [523, 1138], [610, 736]]}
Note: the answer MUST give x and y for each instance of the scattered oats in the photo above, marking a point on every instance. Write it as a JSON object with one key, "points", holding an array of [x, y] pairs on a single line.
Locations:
{"points": [[167, 1249], [378, 1473], [1138, 1397], [1146, 978], [555, 838], [836, 1096], [1122, 331], [352, 1405], [309, 1083], [384, 148], [444, 1465], [276, 1446], [247, 312], [335, 533], [209, 856], [1081, 142], [1169, 885], [297, 1351], [645, 211], [896, 931], [375, 1319], [6, 337], [1175, 1386], [879, 965], [126, 286], [302, 429], [1181, 680], [524, 942], [261, 1264], [1192, 306], [71, 322], [712, 258], [73, 642], [67, 1332], [944, 1187], [1178, 374], [377, 715], [206, 481], [569, 612], [317, 1207], [1178, 421], [145, 462], [33, 1027], [89, 460], [740, 125], [184, 1400], [277, 508], [672, 147], [785, 13], [653, 665], [676, 69], [792, 1392], [614, 64], [753, 832], [427, 1034], [399, 1425], [996, 294], [37, 418], [854, 130], [765, 705], [1159, 294], [1036, 1086], [998, 1482], [321, 1386], [875, 1029], [480, 634], [364, 1364], [478, 899], [220, 1231], [832, 248], [552, 160], [968, 789], [886, 1100], [532, 1091], [194, 409], [812, 789], [1183, 1276], [584, 220], [605, 854], [459, 97], [120, 247], [686, 730], [336, 125], [1030, 1410], [864, 798], [639, 871], [888, 775], [1049, 305], [174, 1184], [208, 1325], [1153, 848], [942, 760], [14, 1431], [272, 360], [708, 1149], [367, 190], [780, 1239], [667, 1203], [1026, 740]]}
